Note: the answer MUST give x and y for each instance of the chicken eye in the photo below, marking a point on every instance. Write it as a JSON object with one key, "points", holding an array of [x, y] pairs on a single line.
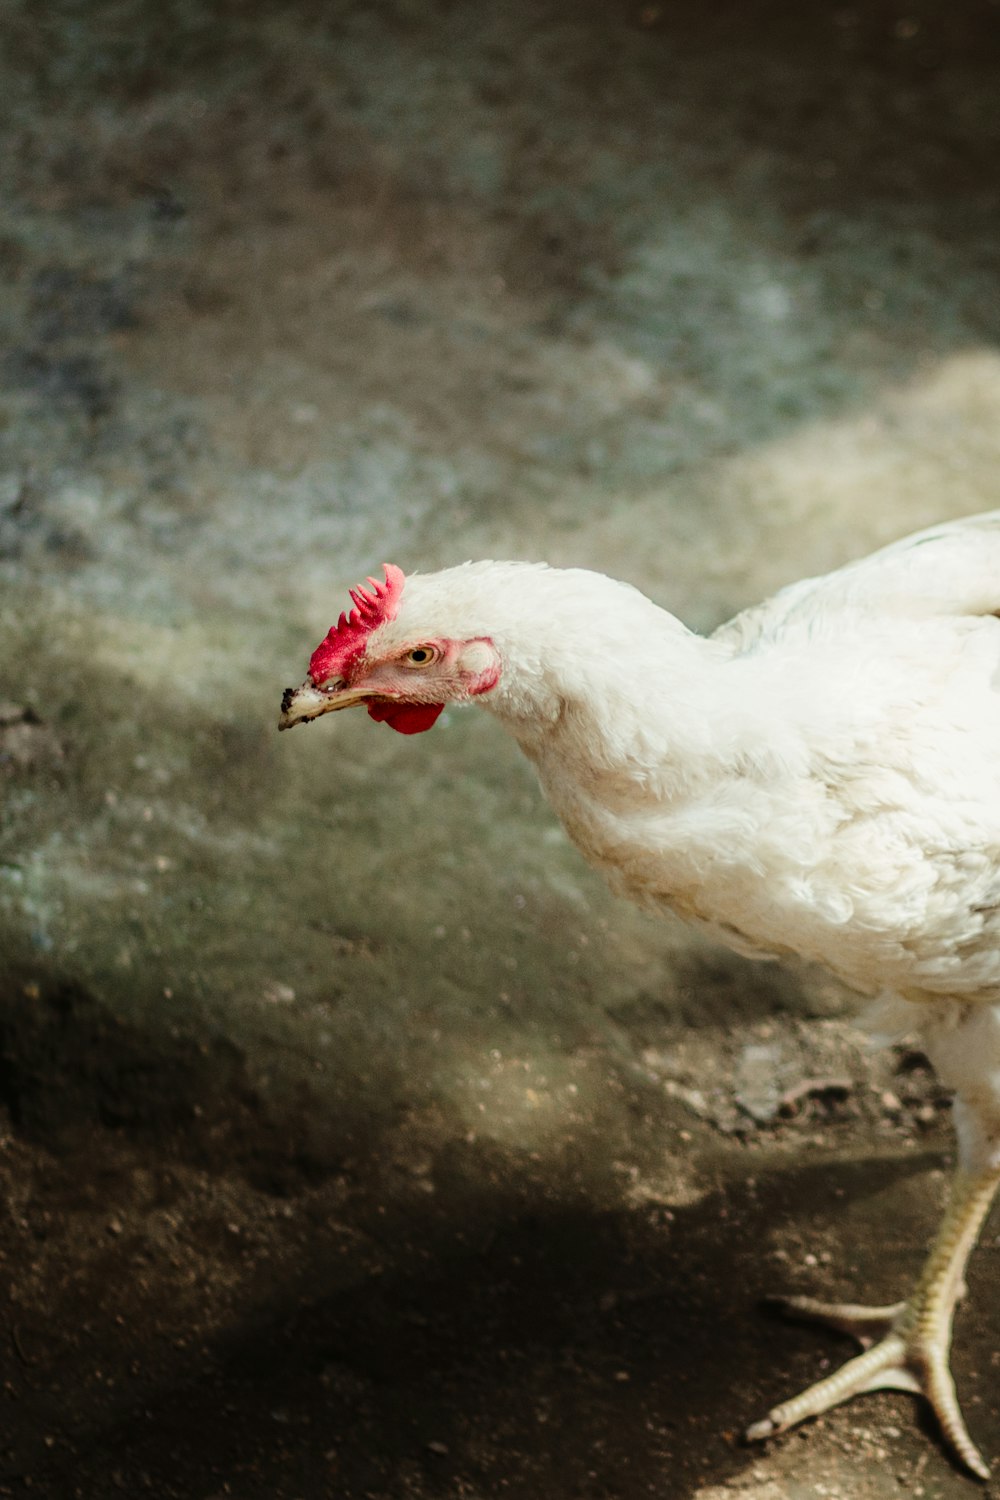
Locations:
{"points": [[421, 656]]}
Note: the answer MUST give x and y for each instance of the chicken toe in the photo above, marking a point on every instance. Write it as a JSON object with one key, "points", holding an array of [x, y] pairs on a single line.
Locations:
{"points": [[896, 1361], [906, 1346]]}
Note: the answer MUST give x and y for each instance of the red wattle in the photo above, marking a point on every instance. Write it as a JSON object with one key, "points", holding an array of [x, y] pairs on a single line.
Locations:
{"points": [[405, 718]]}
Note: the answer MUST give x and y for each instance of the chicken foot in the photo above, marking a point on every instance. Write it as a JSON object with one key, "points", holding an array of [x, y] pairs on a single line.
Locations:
{"points": [[906, 1345]]}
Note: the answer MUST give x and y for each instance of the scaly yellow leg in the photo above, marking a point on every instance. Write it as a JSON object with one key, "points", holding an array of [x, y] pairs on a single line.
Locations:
{"points": [[906, 1346]]}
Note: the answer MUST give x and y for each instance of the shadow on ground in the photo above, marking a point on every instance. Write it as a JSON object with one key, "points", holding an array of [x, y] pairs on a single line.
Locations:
{"points": [[464, 1319]]}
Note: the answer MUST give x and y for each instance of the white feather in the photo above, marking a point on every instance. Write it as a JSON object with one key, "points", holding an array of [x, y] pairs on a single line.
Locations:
{"points": [[820, 777]]}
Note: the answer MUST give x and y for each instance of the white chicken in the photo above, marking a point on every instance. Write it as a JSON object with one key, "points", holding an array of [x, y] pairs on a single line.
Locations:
{"points": [[819, 777]]}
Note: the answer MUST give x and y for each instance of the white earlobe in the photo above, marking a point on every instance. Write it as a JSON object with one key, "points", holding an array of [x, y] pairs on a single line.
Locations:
{"points": [[476, 657]]}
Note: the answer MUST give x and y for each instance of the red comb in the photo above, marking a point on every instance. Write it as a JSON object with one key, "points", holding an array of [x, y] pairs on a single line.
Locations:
{"points": [[372, 607]]}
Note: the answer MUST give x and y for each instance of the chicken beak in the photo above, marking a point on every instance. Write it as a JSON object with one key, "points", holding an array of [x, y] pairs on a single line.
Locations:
{"points": [[303, 704]]}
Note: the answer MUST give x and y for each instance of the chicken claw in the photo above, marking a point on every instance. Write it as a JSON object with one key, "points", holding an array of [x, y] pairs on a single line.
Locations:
{"points": [[905, 1345]]}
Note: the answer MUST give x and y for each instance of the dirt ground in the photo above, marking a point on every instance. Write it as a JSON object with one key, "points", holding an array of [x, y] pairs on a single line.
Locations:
{"points": [[357, 1144]]}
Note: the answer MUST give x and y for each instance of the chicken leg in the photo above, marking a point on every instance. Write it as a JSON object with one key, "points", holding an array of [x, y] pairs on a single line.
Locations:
{"points": [[906, 1345]]}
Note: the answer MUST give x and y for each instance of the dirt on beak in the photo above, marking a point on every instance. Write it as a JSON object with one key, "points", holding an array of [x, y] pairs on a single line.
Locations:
{"points": [[303, 704]]}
